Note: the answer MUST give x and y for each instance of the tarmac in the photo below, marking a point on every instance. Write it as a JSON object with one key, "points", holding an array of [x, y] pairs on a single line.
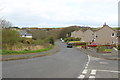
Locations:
{"points": [[114, 55]]}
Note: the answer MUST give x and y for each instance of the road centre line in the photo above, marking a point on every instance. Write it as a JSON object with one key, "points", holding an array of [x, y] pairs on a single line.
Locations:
{"points": [[85, 70], [88, 59]]}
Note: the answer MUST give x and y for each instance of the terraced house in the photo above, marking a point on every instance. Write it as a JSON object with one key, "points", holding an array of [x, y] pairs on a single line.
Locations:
{"points": [[104, 35], [88, 36], [77, 34]]}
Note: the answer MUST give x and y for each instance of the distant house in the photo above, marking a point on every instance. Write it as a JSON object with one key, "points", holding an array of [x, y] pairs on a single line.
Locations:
{"points": [[25, 34], [88, 36], [105, 35]]}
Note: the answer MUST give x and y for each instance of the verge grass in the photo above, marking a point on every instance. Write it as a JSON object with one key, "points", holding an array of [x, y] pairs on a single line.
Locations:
{"points": [[10, 52]]}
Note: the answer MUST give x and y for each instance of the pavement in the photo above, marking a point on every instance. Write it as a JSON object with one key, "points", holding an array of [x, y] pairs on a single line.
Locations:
{"points": [[114, 55]]}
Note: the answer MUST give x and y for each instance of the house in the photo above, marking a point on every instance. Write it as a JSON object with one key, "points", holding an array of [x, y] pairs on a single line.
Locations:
{"points": [[105, 35], [77, 34], [88, 36], [25, 34], [118, 37]]}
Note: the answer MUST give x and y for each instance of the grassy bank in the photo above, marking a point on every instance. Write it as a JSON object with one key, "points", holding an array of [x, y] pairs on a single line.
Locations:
{"points": [[9, 52]]}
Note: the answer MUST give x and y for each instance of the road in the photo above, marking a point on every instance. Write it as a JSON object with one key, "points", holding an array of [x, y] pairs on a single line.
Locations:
{"points": [[101, 68], [67, 63]]}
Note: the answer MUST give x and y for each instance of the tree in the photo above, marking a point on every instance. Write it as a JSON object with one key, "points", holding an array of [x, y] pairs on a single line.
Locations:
{"points": [[10, 37], [38, 34], [51, 40], [4, 23], [66, 32]]}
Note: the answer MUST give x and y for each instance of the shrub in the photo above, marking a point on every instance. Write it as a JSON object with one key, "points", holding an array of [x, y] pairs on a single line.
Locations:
{"points": [[10, 36], [51, 40], [100, 48], [71, 39], [38, 42], [118, 47]]}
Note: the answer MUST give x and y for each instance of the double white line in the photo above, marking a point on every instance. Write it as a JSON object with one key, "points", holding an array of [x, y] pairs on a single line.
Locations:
{"points": [[82, 76]]}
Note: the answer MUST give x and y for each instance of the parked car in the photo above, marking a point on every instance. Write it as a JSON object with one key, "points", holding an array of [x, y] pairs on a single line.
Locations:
{"points": [[69, 45], [93, 45]]}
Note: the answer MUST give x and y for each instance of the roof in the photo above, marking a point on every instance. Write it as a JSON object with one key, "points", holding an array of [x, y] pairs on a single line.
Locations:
{"points": [[28, 34], [105, 26]]}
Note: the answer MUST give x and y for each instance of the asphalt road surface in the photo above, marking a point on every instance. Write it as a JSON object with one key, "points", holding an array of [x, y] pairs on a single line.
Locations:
{"points": [[67, 63], [101, 68]]}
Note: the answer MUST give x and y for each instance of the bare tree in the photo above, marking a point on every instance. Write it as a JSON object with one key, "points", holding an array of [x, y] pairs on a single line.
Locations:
{"points": [[4, 23]]}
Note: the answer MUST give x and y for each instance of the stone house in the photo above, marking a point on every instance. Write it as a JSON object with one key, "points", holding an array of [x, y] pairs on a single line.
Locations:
{"points": [[77, 34], [88, 36], [105, 35]]}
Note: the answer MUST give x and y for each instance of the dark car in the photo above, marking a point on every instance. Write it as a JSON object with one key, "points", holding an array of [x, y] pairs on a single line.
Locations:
{"points": [[69, 45]]}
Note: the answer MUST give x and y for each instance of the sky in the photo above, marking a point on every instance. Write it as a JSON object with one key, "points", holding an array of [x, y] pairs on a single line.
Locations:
{"points": [[60, 13]]}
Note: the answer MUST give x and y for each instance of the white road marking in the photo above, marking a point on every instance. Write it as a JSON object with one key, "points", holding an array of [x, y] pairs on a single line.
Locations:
{"points": [[88, 59], [84, 71], [81, 76], [86, 64], [85, 67], [103, 62], [109, 71], [93, 72], [91, 76]]}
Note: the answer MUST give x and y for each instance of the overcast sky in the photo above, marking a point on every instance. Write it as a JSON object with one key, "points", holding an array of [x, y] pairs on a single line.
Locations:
{"points": [[60, 13]]}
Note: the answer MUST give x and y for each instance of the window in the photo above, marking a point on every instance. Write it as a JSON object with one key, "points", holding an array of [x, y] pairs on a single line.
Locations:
{"points": [[96, 36], [113, 34]]}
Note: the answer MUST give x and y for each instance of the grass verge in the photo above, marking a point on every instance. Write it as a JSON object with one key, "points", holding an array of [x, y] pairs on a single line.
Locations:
{"points": [[9, 52]]}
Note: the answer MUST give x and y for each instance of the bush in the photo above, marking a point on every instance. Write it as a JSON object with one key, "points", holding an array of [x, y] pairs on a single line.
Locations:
{"points": [[118, 47], [100, 48], [51, 40], [71, 39], [10, 37], [38, 42]]}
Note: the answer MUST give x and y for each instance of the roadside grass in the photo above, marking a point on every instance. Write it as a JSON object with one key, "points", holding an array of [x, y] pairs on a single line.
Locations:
{"points": [[79, 45], [10, 52], [107, 50], [74, 42]]}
